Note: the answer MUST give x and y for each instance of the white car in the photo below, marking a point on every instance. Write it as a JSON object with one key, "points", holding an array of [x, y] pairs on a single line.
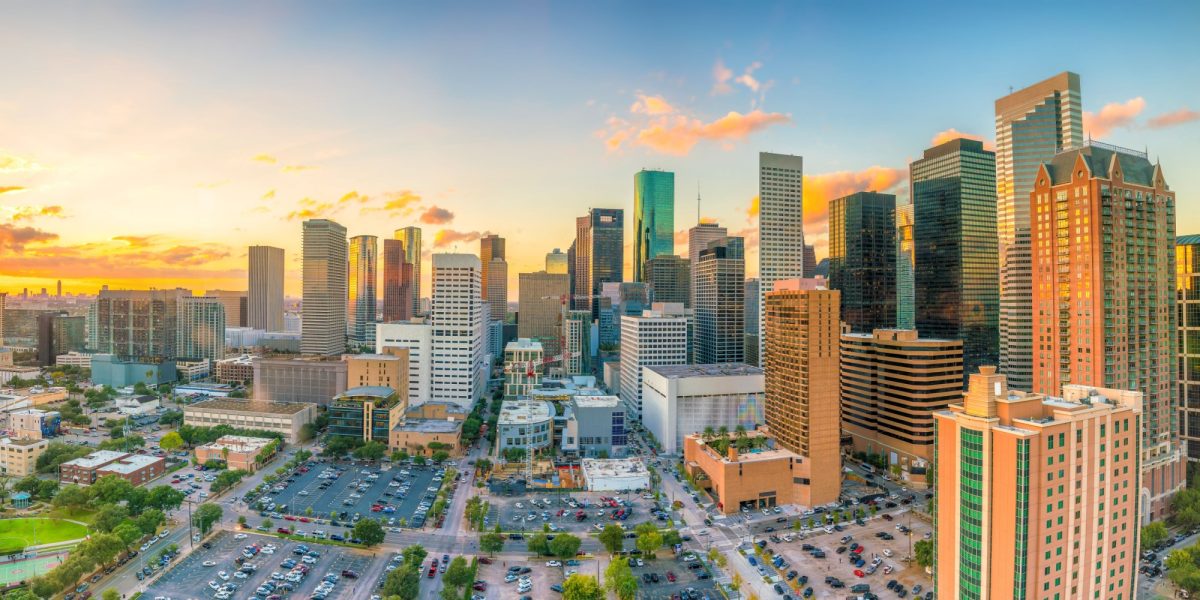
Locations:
{"points": [[209, 563], [553, 563], [240, 575], [213, 585], [303, 493], [887, 552], [240, 536], [223, 575]]}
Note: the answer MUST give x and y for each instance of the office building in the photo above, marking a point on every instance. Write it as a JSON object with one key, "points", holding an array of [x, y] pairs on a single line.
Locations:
{"points": [[323, 330], [311, 379], [680, 400], [750, 313], [720, 308], [892, 382], [138, 325], [1187, 295], [557, 262], [955, 277], [577, 340], [284, 418], [658, 336], [3, 301], [360, 300], [264, 300], [458, 319], [525, 424], [1032, 125], [421, 436], [595, 427], [34, 424], [698, 239], [415, 339], [780, 225], [201, 328], [236, 370], [1104, 310], [669, 278], [367, 413], [862, 258], [542, 297], [765, 475], [410, 239], [524, 365], [802, 325], [599, 254], [116, 372], [238, 452], [497, 288], [388, 369], [58, 334], [397, 282], [18, 457], [810, 262], [634, 298], [905, 261], [653, 218], [236, 305], [1037, 496]]}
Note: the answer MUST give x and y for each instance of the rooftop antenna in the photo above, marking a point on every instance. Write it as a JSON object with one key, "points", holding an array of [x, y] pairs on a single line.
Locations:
{"points": [[698, 219]]}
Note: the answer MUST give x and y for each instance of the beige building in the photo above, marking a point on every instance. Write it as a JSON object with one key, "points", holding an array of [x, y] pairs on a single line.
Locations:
{"points": [[235, 306], [892, 382], [237, 452], [800, 359], [18, 458], [282, 417], [523, 367], [238, 369], [416, 436], [541, 298], [387, 370], [750, 480], [1038, 496]]}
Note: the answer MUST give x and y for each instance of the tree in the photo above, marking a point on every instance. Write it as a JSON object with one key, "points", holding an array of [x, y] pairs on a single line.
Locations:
{"points": [[206, 515], [440, 456], [564, 545], [458, 573], [110, 516], [369, 531], [242, 521], [21, 594], [171, 442], [671, 537], [164, 498], [925, 553], [128, 532], [612, 538], [492, 542], [582, 587], [619, 579], [414, 554], [72, 498], [419, 460], [735, 582], [1153, 535], [267, 524], [110, 594], [371, 450], [649, 540], [538, 544], [404, 582], [308, 431], [149, 520]]}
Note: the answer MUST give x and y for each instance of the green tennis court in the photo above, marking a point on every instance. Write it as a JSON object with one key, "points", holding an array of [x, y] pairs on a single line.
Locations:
{"points": [[18, 534], [16, 572]]}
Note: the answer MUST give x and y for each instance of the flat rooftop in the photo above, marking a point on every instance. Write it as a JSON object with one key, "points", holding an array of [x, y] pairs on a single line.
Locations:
{"points": [[133, 462], [589, 401], [376, 391], [517, 412], [614, 467], [20, 442], [239, 443], [251, 406], [96, 459], [391, 357], [429, 426], [523, 344], [717, 370]]}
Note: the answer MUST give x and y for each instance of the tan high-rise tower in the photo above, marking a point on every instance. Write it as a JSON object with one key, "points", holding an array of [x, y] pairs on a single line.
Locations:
{"points": [[264, 301], [411, 238]]}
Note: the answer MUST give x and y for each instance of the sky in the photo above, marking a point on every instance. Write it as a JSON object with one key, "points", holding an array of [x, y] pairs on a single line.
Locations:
{"points": [[148, 144]]}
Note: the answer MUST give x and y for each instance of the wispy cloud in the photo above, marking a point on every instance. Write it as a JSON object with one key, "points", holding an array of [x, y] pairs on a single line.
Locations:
{"points": [[445, 237], [679, 134], [1171, 119], [10, 189], [297, 168], [436, 215], [264, 158], [747, 77], [29, 213], [721, 77], [268, 196], [396, 203], [16, 238], [136, 241], [1112, 116], [11, 163], [651, 105], [942, 137], [310, 208], [353, 196]]}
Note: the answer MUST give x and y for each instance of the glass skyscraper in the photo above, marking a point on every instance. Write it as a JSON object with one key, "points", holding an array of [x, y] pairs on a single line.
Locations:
{"points": [[653, 217], [905, 259], [360, 299], [721, 302], [411, 238], [599, 255], [862, 259], [954, 235]]}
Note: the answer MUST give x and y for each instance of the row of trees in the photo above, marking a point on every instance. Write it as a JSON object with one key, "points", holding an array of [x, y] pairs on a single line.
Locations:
{"points": [[648, 538], [112, 489], [195, 435], [404, 582], [227, 479], [563, 545]]}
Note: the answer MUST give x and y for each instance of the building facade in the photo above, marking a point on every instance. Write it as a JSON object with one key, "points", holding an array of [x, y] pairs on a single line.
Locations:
{"points": [[58, 334], [862, 258], [905, 266], [264, 300], [780, 225], [698, 239], [18, 457], [299, 379], [284, 418], [397, 282], [721, 302], [410, 239], [751, 314], [360, 299], [416, 339], [235, 303], [525, 424], [1187, 295], [238, 369], [458, 317], [497, 289], [577, 341], [669, 278], [238, 452], [599, 255], [138, 325], [389, 369], [201, 328], [542, 297], [680, 400], [523, 367], [595, 427], [656, 337], [653, 218], [323, 329], [557, 262], [367, 413], [760, 479]]}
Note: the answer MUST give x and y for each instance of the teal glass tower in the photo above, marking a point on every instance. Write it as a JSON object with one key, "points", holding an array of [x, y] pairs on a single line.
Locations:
{"points": [[653, 218]]}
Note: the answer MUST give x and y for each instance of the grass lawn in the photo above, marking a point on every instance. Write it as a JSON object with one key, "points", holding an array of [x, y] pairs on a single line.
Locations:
{"points": [[16, 534]]}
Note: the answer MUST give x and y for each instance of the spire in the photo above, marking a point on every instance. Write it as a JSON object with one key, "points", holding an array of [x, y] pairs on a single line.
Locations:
{"points": [[698, 203]]}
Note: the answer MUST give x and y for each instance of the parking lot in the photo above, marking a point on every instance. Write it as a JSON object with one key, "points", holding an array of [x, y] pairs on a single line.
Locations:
{"points": [[531, 511], [540, 576], [203, 572], [345, 488], [692, 579]]}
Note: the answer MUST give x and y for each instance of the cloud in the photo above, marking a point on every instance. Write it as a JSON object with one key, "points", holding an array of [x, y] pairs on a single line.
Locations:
{"points": [[10, 189], [678, 134], [268, 196], [353, 196], [445, 237], [1171, 119], [401, 202], [681, 238], [297, 168], [211, 185], [136, 241], [435, 215], [651, 105], [15, 238], [747, 78], [721, 76], [264, 158], [192, 255], [29, 213], [311, 209], [1112, 116], [139, 260], [752, 210], [705, 220], [11, 163], [942, 137]]}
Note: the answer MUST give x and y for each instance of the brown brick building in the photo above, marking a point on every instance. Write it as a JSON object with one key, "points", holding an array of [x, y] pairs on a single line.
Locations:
{"points": [[135, 468]]}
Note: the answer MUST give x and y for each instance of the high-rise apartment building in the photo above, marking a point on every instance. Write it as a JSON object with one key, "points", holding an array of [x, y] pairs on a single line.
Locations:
{"points": [[577, 336], [361, 314], [1103, 244], [802, 324], [59, 333], [905, 261], [862, 258], [892, 383], [201, 328], [397, 282], [658, 336], [1032, 125], [264, 300], [1037, 496], [653, 218], [539, 309], [698, 239], [459, 318], [410, 237], [497, 287], [669, 278], [780, 225], [954, 234], [556, 262], [1187, 295], [323, 328], [235, 304], [721, 302], [491, 247], [599, 254], [750, 314], [138, 325]]}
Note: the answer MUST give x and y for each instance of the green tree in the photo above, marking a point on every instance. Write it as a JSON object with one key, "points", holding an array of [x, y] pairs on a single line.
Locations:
{"points": [[21, 594], [128, 532], [371, 450], [582, 587], [458, 574], [564, 545], [414, 554], [403, 583], [492, 542], [267, 524], [110, 594], [538, 544], [671, 537], [925, 553], [612, 538], [440, 456], [206, 515], [164, 498], [171, 442], [369, 531], [619, 579], [649, 540], [149, 520], [1154, 534], [109, 517], [71, 498]]}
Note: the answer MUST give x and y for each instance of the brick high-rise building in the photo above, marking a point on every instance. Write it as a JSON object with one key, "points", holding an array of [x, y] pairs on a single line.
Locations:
{"points": [[1104, 294], [397, 282], [1037, 496], [802, 325]]}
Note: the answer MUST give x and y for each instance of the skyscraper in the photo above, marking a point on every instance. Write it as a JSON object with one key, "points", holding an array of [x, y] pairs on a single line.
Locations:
{"points": [[1187, 293], [1104, 307], [862, 259], [411, 238], [397, 282], [235, 304], [721, 302], [492, 247], [556, 262], [577, 355], [201, 328], [810, 261], [669, 278], [750, 333], [801, 367], [905, 261], [599, 254], [657, 336], [497, 288], [653, 217], [264, 303], [954, 233], [1032, 125], [138, 325], [540, 309], [780, 224], [360, 301], [323, 328], [458, 314], [698, 239], [59, 333], [1034, 498]]}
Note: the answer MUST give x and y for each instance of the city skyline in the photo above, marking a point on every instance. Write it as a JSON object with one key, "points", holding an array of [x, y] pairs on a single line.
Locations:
{"points": [[94, 194]]}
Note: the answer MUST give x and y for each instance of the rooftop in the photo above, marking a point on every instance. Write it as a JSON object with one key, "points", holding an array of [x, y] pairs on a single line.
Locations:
{"points": [[614, 467], [250, 406], [429, 426], [517, 412], [20, 442], [96, 459], [589, 401], [239, 443], [391, 357], [718, 370], [374, 391], [132, 463], [523, 344]]}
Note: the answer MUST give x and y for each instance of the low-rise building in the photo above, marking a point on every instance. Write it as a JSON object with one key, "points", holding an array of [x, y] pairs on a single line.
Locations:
{"points": [[238, 451], [9, 373], [523, 367], [34, 424], [440, 410], [137, 469], [108, 369], [679, 400], [18, 457], [525, 424], [760, 477], [615, 475], [366, 412], [595, 427], [281, 417], [137, 405], [422, 436], [193, 370], [83, 360], [239, 369]]}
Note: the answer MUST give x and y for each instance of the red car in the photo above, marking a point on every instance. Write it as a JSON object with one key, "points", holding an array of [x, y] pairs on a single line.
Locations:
{"points": [[433, 569], [480, 586], [376, 508], [284, 530], [485, 560], [859, 573], [858, 550], [303, 519], [671, 576], [289, 518]]}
